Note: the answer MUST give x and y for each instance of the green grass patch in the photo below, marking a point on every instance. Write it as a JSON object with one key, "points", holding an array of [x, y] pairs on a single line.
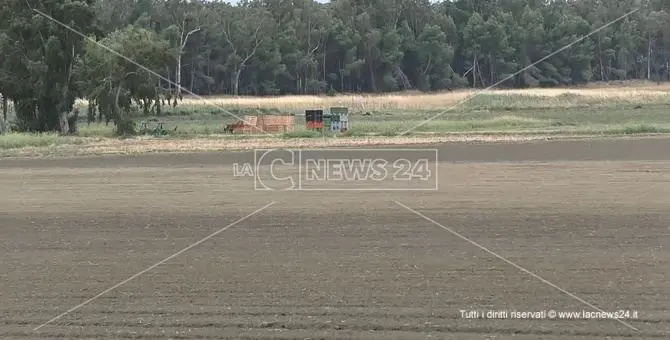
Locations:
{"points": [[624, 119], [644, 128], [23, 140], [299, 133], [396, 127], [95, 130]]}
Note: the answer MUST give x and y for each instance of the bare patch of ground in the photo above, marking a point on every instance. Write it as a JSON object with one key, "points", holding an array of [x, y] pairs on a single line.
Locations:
{"points": [[115, 146], [347, 265]]}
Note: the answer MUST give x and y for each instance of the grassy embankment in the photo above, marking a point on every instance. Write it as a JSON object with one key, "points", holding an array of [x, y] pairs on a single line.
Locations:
{"points": [[200, 123]]}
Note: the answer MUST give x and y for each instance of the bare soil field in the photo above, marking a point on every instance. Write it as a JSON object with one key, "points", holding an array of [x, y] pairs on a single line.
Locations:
{"points": [[565, 226]]}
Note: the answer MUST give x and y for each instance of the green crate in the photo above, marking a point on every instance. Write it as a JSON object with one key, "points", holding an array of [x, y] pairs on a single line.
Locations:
{"points": [[327, 119]]}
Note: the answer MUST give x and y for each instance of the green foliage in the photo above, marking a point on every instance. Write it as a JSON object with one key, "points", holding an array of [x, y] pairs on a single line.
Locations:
{"points": [[267, 47], [38, 58], [116, 83], [125, 127]]}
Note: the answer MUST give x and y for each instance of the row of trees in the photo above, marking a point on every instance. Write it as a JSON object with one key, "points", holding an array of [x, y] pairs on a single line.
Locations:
{"points": [[271, 47]]}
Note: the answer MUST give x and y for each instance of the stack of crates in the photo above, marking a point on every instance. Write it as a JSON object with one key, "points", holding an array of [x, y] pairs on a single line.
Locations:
{"points": [[339, 119], [327, 121], [314, 119]]}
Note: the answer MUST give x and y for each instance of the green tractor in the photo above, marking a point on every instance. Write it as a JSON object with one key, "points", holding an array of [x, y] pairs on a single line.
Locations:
{"points": [[155, 128]]}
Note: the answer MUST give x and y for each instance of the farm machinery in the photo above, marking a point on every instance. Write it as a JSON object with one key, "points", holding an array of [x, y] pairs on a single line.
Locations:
{"points": [[154, 127]]}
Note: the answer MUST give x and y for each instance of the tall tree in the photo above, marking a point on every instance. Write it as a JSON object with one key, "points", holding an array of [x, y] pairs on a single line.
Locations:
{"points": [[244, 29], [115, 84], [184, 22], [39, 63]]}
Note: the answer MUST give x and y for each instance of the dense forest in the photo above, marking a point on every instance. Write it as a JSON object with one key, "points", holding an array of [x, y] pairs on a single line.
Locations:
{"points": [[274, 47]]}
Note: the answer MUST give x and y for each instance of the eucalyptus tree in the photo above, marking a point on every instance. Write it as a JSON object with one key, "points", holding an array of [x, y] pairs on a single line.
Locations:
{"points": [[125, 82], [41, 43]]}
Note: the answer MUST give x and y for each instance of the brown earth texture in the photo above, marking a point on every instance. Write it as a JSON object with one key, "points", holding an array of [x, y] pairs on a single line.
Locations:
{"points": [[174, 246]]}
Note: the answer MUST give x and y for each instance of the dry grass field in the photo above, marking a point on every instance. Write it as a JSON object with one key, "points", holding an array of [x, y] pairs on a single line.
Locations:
{"points": [[588, 217], [636, 93]]}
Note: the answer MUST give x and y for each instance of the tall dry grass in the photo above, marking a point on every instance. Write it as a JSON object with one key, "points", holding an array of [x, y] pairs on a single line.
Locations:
{"points": [[598, 93], [423, 101]]}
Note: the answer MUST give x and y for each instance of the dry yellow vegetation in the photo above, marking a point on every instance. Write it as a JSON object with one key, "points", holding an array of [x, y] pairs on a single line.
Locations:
{"points": [[628, 92], [644, 92], [139, 145]]}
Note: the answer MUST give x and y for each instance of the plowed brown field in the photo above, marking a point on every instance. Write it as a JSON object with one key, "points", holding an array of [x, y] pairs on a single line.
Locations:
{"points": [[567, 221]]}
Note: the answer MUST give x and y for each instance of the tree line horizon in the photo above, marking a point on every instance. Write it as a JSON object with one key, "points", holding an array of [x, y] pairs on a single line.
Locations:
{"points": [[280, 47]]}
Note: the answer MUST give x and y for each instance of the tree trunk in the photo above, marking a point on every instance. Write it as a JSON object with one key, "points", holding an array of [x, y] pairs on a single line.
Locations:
{"points": [[209, 74], [5, 107], [3, 121], [236, 82], [298, 82], [600, 61], [474, 71], [178, 74], [339, 67], [117, 108], [649, 58], [182, 46], [481, 78], [192, 76], [64, 125], [323, 66], [373, 81], [492, 77], [169, 76]]}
